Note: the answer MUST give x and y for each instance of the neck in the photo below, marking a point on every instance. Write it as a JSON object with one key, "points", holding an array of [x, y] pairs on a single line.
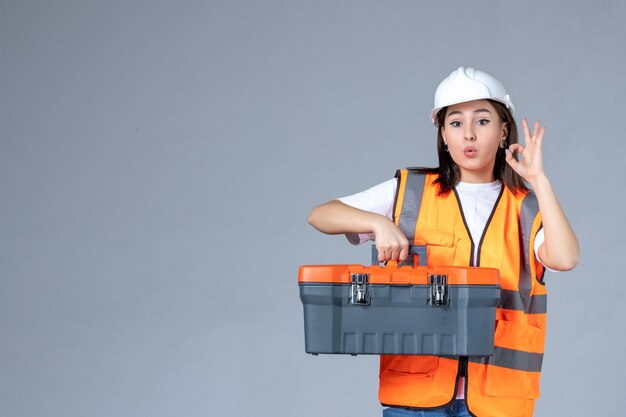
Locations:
{"points": [[477, 178]]}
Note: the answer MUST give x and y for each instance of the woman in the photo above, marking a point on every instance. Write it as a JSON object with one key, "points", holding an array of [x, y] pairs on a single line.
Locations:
{"points": [[474, 209]]}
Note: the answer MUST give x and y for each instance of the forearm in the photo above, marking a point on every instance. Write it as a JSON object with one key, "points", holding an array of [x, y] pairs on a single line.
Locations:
{"points": [[335, 217], [560, 248]]}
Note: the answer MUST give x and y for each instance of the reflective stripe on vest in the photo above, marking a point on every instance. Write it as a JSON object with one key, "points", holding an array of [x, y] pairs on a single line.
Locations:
{"points": [[409, 192], [511, 358], [512, 300]]}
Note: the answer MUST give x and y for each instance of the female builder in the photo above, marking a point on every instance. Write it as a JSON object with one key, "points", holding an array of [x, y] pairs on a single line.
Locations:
{"points": [[474, 209]]}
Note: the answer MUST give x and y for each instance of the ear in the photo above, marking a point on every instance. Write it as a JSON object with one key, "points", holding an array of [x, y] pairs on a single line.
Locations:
{"points": [[505, 134]]}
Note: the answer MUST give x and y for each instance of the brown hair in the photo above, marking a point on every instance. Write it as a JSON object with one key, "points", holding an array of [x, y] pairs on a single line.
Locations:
{"points": [[448, 170]]}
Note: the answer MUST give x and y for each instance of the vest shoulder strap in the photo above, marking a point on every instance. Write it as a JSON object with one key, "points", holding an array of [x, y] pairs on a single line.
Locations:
{"points": [[408, 201], [530, 223]]}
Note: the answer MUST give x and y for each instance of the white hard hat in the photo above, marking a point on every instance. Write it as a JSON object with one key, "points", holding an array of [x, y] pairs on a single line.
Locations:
{"points": [[467, 84]]}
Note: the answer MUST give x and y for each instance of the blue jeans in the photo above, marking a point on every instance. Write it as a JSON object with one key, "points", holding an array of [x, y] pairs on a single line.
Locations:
{"points": [[456, 409]]}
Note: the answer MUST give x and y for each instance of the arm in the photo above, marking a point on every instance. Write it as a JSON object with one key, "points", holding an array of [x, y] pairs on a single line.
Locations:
{"points": [[335, 217], [560, 249]]}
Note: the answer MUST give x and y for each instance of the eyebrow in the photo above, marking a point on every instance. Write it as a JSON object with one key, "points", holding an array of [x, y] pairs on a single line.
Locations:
{"points": [[475, 111]]}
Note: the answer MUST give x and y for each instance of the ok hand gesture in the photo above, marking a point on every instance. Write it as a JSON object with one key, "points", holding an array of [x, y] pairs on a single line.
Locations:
{"points": [[531, 166]]}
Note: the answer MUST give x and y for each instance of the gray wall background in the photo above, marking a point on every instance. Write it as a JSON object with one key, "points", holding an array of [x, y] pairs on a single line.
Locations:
{"points": [[158, 161]]}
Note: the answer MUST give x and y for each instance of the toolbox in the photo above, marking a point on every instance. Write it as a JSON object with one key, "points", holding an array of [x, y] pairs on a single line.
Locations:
{"points": [[408, 309]]}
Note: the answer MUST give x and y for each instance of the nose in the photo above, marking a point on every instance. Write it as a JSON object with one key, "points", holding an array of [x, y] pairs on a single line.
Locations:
{"points": [[469, 133]]}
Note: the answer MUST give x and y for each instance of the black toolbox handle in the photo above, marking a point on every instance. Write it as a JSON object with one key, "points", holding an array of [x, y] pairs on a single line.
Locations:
{"points": [[419, 250]]}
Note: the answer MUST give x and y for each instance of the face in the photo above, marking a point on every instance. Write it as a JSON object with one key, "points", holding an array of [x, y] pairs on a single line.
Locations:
{"points": [[473, 132]]}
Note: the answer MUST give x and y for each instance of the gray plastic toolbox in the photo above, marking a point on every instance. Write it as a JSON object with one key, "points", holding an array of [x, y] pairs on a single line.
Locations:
{"points": [[355, 309]]}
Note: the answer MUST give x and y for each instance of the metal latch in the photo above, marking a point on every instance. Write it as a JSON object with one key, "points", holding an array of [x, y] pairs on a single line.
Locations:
{"points": [[359, 289], [438, 294]]}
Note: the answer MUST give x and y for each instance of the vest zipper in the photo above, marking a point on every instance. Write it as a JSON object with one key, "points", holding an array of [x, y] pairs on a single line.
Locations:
{"points": [[461, 373], [463, 367]]}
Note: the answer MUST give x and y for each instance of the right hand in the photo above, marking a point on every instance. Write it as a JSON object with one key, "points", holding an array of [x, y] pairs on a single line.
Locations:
{"points": [[391, 243]]}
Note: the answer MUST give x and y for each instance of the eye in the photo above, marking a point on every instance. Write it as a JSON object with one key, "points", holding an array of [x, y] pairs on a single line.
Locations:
{"points": [[482, 122], [455, 123]]}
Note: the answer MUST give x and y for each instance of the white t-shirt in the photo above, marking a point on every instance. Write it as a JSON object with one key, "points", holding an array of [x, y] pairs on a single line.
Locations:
{"points": [[477, 201]]}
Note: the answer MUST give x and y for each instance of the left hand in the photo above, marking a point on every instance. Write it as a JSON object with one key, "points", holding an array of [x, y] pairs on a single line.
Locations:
{"points": [[531, 165]]}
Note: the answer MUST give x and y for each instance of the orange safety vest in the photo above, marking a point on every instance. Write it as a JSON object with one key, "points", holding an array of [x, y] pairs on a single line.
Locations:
{"points": [[505, 384]]}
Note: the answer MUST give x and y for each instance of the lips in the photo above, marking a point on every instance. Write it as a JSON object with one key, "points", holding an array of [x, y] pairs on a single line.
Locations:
{"points": [[470, 151]]}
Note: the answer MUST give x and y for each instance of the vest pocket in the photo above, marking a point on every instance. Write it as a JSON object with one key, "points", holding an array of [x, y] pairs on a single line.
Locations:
{"points": [[514, 373], [409, 364], [440, 245]]}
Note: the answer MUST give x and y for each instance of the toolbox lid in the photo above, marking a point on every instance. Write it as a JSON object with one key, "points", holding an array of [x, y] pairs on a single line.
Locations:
{"points": [[392, 274]]}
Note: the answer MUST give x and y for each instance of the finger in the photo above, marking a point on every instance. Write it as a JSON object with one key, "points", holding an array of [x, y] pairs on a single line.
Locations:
{"points": [[395, 253], [535, 129], [397, 250], [542, 131], [511, 160], [515, 165], [516, 147], [510, 155], [404, 252], [526, 130], [382, 257]]}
